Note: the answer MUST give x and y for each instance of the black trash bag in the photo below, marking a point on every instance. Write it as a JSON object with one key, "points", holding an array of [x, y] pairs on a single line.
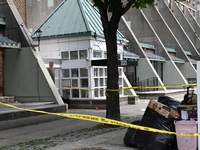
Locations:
{"points": [[168, 101], [129, 136], [152, 140]]}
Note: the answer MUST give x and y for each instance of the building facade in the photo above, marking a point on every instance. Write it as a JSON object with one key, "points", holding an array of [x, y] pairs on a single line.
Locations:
{"points": [[74, 52], [165, 39], [22, 72]]}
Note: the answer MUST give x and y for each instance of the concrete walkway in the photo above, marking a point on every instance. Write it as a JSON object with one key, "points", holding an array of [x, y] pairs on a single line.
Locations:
{"points": [[111, 140]]}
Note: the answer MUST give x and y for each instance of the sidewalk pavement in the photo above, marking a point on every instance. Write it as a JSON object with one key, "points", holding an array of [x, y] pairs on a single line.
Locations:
{"points": [[111, 140]]}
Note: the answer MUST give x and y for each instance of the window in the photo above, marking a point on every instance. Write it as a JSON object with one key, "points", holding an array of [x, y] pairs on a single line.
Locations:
{"points": [[84, 94], [73, 55], [96, 92], [75, 93], [83, 54], [172, 54], [65, 73], [96, 82], [66, 93], [105, 71], [97, 54], [74, 82], [84, 82], [96, 72], [100, 71], [66, 82], [83, 72], [74, 72], [65, 55], [101, 92], [101, 81], [149, 51]]}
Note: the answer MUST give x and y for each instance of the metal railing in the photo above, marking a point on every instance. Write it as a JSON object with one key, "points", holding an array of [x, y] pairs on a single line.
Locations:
{"points": [[147, 82]]}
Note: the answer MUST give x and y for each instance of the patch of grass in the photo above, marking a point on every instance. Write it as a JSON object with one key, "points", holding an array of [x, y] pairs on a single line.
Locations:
{"points": [[4, 148]]}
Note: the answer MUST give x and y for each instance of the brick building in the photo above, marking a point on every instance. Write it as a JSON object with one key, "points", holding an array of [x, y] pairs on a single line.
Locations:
{"points": [[21, 7]]}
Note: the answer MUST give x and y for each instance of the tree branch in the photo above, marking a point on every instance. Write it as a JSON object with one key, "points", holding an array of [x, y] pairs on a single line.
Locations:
{"points": [[117, 14], [127, 6]]}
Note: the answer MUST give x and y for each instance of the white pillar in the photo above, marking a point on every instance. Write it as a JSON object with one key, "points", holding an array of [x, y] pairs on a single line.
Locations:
{"points": [[198, 98]]}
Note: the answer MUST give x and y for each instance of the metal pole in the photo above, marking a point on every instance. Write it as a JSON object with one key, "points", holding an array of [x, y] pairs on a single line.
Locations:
{"points": [[198, 98]]}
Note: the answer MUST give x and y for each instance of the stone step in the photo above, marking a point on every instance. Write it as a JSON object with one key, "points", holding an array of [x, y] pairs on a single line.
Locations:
{"points": [[7, 99], [12, 118]]}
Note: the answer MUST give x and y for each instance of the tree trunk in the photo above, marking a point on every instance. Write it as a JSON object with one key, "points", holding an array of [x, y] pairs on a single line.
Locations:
{"points": [[112, 93]]}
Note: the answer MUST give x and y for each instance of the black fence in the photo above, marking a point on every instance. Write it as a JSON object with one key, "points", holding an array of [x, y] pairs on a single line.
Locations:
{"points": [[148, 82], [144, 83]]}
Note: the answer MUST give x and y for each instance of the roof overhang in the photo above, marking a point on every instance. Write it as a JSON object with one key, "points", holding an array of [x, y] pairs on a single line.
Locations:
{"points": [[147, 45], [177, 60], [130, 55], [155, 57], [193, 61], [171, 49], [7, 43], [121, 63], [188, 52]]}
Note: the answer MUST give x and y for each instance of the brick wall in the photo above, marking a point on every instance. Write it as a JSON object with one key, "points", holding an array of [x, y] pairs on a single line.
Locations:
{"points": [[21, 7]]}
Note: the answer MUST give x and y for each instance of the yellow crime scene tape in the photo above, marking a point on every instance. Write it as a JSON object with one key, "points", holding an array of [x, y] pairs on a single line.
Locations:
{"points": [[103, 120], [128, 88], [160, 86]]}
